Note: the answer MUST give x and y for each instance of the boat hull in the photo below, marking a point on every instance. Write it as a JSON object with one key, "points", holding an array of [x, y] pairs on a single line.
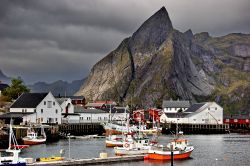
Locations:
{"points": [[157, 156], [112, 144], [33, 141], [49, 159]]}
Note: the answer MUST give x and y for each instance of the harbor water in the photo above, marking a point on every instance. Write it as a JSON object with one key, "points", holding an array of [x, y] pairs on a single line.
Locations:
{"points": [[227, 149]]}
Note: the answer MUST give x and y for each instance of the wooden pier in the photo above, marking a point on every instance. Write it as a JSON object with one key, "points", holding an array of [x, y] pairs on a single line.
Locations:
{"points": [[80, 129], [92, 161], [197, 128]]}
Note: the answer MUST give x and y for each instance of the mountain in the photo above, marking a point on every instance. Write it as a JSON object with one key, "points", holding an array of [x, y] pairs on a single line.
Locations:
{"points": [[58, 87], [3, 78], [158, 62]]}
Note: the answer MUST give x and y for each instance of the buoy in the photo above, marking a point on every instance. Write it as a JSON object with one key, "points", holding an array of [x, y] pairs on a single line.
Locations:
{"points": [[103, 155]]}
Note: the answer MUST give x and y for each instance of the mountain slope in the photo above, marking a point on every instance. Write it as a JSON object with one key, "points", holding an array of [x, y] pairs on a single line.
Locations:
{"points": [[158, 62], [58, 87]]}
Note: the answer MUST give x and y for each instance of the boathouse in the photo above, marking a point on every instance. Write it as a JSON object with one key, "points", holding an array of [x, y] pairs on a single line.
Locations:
{"points": [[199, 113], [42, 108]]}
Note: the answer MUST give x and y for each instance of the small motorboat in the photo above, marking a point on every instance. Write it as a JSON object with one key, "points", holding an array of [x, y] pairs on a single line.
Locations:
{"points": [[133, 146], [32, 137], [114, 140]]}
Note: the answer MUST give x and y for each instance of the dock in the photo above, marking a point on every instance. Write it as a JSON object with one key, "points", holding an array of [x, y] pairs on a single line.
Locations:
{"points": [[92, 161]]}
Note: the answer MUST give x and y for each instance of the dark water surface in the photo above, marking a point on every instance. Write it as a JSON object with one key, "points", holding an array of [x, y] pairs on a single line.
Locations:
{"points": [[229, 149]]}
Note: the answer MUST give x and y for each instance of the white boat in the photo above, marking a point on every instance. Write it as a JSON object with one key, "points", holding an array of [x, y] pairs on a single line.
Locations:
{"points": [[10, 156], [32, 137], [133, 146], [114, 140]]}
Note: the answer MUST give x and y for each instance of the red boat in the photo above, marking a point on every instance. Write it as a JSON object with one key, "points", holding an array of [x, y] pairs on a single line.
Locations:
{"points": [[19, 146]]}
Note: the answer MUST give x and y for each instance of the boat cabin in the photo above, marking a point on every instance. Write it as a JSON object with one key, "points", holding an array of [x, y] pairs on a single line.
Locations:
{"points": [[32, 135], [179, 144]]}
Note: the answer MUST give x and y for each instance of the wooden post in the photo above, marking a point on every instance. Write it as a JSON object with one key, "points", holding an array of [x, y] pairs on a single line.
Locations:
{"points": [[172, 155]]}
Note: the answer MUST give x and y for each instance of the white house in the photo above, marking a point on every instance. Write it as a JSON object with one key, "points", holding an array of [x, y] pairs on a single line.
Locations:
{"points": [[173, 106], [43, 106], [91, 115], [199, 113]]}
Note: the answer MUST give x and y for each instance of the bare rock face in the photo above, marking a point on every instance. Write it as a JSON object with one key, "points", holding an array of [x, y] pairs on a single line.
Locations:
{"points": [[158, 62]]}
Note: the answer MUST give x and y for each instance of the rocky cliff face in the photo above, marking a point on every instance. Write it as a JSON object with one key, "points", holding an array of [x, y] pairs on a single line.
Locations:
{"points": [[158, 62]]}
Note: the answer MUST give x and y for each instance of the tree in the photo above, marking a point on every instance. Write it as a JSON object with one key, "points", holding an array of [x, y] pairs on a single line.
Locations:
{"points": [[16, 88]]}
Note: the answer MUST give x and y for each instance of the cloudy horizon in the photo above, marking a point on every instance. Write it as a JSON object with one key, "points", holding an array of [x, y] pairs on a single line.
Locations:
{"points": [[47, 40]]}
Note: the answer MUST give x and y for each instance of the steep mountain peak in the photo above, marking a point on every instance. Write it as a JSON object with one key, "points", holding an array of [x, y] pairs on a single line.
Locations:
{"points": [[152, 33]]}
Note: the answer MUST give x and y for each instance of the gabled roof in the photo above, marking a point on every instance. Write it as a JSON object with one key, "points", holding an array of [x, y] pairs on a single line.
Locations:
{"points": [[195, 107], [175, 104], [61, 100], [3, 86], [29, 100]]}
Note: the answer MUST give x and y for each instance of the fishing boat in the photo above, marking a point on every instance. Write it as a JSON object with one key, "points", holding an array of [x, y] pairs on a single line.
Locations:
{"points": [[32, 137], [10, 156], [49, 159], [133, 146], [178, 148]]}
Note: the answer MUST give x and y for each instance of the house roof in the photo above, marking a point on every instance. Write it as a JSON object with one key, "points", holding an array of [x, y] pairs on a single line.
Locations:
{"points": [[15, 115], [76, 97], [195, 107], [175, 104], [116, 110], [94, 105], [3, 86], [29, 100], [79, 109]]}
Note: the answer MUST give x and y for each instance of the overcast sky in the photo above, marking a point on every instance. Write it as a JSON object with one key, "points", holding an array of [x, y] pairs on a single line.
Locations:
{"points": [[48, 40]]}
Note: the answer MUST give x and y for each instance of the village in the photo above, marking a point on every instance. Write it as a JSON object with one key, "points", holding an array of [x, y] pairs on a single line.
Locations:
{"points": [[38, 118]]}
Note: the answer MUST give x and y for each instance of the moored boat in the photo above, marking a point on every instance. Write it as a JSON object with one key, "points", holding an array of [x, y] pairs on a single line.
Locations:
{"points": [[32, 137], [133, 146], [114, 140], [179, 147], [10, 156]]}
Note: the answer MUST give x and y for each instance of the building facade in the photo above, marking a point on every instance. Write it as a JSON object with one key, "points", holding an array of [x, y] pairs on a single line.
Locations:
{"points": [[43, 106]]}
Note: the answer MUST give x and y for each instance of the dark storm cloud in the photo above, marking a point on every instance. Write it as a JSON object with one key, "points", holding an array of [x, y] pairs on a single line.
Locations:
{"points": [[62, 39]]}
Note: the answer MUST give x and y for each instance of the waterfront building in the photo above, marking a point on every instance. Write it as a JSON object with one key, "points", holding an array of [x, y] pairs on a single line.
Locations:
{"points": [[77, 100], [199, 113], [101, 104], [91, 115], [39, 107], [173, 106]]}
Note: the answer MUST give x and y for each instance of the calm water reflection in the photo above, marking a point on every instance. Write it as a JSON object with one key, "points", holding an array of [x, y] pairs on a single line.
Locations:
{"points": [[232, 149]]}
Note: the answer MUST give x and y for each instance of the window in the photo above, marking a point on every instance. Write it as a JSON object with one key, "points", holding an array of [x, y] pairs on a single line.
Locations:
{"points": [[203, 119], [49, 104], [41, 110], [56, 119], [56, 111], [194, 119], [54, 103], [208, 108], [44, 102], [22, 110], [88, 118], [41, 119], [35, 110], [215, 108]]}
